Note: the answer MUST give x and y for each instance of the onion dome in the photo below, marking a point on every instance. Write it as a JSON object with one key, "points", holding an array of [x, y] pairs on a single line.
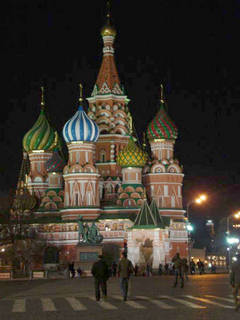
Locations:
{"points": [[55, 163], [80, 127], [108, 29], [162, 127], [41, 136], [131, 156]]}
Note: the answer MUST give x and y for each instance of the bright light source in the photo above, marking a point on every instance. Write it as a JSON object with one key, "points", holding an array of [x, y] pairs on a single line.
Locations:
{"points": [[210, 265], [228, 249], [237, 215], [198, 200], [203, 197], [3, 249], [190, 227], [232, 240], [234, 258]]}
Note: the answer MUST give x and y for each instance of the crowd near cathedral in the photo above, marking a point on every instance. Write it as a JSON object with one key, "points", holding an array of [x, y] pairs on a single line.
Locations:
{"points": [[109, 183]]}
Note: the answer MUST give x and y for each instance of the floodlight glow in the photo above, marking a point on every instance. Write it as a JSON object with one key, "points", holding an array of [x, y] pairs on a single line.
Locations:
{"points": [[203, 197], [232, 240], [189, 227], [198, 200], [234, 258]]}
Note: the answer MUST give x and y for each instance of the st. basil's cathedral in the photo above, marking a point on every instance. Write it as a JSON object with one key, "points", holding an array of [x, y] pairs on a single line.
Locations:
{"points": [[134, 198]]}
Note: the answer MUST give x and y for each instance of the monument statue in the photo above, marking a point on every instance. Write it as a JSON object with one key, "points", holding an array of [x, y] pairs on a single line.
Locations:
{"points": [[88, 235]]}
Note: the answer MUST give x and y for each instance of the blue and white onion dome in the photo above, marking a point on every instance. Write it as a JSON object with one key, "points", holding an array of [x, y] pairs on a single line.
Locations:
{"points": [[80, 128]]}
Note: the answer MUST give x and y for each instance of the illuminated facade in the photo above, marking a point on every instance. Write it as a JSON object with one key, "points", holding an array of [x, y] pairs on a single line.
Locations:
{"points": [[108, 178]]}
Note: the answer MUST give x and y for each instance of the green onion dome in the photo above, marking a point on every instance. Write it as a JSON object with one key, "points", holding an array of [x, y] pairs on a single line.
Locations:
{"points": [[41, 136], [131, 156], [162, 127]]}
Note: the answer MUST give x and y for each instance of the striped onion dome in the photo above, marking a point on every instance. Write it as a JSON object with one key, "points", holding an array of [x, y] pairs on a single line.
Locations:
{"points": [[41, 136], [131, 156], [80, 128], [162, 127], [55, 163]]}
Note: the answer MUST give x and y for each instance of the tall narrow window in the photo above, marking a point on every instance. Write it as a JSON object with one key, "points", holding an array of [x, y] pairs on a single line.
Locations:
{"points": [[103, 156], [172, 201], [165, 191], [77, 157], [76, 199]]}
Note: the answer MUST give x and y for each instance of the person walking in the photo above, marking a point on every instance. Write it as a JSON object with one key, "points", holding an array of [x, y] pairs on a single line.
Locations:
{"points": [[101, 275], [185, 268], [235, 281], [114, 269], [178, 269], [136, 270], [125, 268], [148, 270], [160, 269], [192, 267]]}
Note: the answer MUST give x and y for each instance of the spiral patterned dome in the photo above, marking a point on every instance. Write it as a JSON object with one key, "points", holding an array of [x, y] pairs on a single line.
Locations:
{"points": [[162, 127], [131, 156], [80, 128], [42, 136], [55, 163]]}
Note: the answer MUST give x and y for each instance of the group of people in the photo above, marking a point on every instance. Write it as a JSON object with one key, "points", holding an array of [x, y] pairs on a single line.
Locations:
{"points": [[101, 274], [72, 270]]}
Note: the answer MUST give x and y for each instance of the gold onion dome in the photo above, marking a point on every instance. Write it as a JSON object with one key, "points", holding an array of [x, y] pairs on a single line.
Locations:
{"points": [[41, 136], [108, 30], [131, 156]]}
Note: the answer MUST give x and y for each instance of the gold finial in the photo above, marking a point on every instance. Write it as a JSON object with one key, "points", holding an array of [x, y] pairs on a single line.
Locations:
{"points": [[161, 94], [42, 98], [108, 29], [81, 93], [130, 122], [108, 11], [144, 140]]}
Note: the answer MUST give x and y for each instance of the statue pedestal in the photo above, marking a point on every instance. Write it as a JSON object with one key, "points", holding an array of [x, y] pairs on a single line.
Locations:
{"points": [[86, 255]]}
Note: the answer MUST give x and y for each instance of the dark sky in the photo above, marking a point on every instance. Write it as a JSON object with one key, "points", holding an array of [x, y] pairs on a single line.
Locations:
{"points": [[190, 46]]}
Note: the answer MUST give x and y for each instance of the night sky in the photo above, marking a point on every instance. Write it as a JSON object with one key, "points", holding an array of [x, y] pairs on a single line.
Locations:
{"points": [[190, 46]]}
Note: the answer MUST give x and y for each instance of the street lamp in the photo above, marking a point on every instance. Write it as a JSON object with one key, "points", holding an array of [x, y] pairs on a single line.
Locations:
{"points": [[231, 241], [236, 216], [201, 198]]}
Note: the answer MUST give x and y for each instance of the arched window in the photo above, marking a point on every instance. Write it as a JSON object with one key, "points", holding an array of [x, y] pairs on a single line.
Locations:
{"points": [[103, 156]]}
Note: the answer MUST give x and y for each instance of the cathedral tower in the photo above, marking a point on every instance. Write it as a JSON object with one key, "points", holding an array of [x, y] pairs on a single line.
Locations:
{"points": [[40, 142], [132, 159], [80, 174], [108, 107], [163, 177]]}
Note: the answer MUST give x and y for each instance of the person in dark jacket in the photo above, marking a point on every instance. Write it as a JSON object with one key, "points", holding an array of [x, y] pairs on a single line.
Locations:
{"points": [[185, 268], [235, 281], [125, 268], [101, 275], [178, 268]]}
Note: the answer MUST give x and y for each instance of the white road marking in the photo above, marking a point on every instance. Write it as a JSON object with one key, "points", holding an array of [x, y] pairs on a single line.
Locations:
{"points": [[219, 298], [186, 303], [19, 305], [75, 304], [210, 302], [48, 305], [158, 303], [104, 304], [132, 304]]}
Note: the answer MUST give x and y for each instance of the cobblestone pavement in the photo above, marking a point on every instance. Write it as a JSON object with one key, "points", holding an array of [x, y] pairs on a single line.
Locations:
{"points": [[204, 297]]}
